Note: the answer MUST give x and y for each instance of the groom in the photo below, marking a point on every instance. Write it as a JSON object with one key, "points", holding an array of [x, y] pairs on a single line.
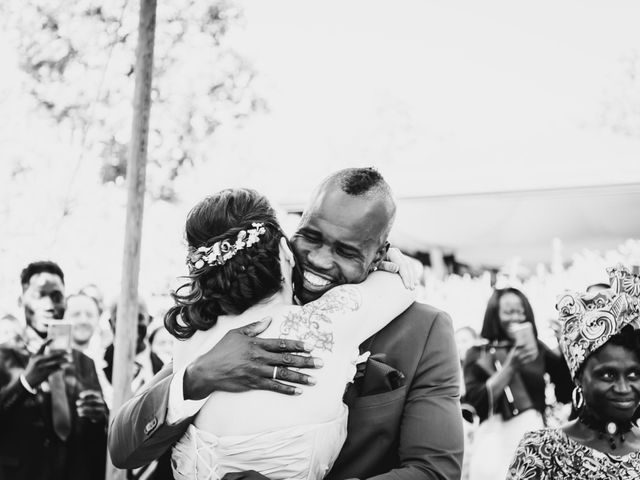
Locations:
{"points": [[404, 411]]}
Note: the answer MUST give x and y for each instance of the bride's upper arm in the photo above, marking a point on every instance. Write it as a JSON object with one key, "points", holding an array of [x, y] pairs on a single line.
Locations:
{"points": [[359, 310]]}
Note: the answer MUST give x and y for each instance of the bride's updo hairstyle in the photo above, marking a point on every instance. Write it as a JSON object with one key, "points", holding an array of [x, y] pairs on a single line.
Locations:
{"points": [[251, 274]]}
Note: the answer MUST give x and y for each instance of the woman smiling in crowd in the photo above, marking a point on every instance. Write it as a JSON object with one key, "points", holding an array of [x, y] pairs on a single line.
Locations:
{"points": [[601, 343]]}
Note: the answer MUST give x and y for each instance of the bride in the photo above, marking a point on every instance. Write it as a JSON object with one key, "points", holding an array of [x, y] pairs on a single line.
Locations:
{"points": [[241, 269]]}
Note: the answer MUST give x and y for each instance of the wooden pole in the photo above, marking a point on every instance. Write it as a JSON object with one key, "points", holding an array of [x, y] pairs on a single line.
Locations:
{"points": [[127, 316]]}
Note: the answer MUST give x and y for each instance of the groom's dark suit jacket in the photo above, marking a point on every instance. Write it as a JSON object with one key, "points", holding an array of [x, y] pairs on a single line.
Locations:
{"points": [[404, 412]]}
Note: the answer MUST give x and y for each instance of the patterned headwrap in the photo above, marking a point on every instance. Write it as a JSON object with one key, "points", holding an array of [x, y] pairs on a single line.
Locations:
{"points": [[591, 319]]}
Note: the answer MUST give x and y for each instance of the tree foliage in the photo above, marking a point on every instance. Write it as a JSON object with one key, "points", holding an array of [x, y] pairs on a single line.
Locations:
{"points": [[78, 58]]}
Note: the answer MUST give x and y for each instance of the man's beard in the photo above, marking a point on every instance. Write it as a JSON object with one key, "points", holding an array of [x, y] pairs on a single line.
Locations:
{"points": [[38, 322]]}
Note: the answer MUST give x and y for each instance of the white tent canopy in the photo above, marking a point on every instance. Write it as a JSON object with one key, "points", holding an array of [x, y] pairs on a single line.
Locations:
{"points": [[494, 228]]}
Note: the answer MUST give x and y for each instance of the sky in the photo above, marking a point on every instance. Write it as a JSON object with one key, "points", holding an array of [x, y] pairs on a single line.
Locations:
{"points": [[446, 97], [443, 97]]}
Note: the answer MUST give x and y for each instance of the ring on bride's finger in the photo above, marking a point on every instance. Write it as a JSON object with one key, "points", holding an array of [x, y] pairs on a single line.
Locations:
{"points": [[275, 373]]}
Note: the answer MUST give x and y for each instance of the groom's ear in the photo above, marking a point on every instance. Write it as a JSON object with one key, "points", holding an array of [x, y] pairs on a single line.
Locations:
{"points": [[380, 255]]}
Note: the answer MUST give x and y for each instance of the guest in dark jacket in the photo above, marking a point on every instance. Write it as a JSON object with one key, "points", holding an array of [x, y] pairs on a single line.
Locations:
{"points": [[52, 415], [146, 362], [505, 381]]}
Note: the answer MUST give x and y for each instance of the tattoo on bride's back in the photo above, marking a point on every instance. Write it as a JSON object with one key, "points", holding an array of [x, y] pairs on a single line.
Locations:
{"points": [[313, 323]]}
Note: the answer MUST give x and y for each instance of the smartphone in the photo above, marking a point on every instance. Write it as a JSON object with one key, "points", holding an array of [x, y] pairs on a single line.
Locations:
{"points": [[59, 331], [523, 336]]}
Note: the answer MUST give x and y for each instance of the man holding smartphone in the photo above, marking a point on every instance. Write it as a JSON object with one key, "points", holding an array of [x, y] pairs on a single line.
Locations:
{"points": [[52, 415]]}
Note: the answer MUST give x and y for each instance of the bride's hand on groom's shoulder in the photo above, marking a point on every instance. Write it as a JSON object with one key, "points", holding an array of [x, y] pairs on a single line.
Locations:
{"points": [[397, 262], [241, 361]]}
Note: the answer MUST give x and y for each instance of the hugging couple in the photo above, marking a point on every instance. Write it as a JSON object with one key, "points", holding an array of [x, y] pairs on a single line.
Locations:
{"points": [[264, 382]]}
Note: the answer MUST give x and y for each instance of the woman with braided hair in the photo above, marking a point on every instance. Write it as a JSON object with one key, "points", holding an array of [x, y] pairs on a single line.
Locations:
{"points": [[241, 271], [600, 339]]}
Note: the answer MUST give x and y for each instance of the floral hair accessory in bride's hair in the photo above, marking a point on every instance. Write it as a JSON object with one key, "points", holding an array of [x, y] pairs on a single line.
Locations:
{"points": [[223, 250], [589, 320]]}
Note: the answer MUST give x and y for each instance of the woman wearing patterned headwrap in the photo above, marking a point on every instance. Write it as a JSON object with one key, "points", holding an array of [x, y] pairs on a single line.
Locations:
{"points": [[601, 342]]}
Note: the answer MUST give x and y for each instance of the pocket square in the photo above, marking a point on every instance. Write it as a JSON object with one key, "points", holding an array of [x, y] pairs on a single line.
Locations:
{"points": [[377, 376]]}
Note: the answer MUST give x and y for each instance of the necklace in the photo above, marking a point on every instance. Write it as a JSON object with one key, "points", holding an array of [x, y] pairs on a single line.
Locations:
{"points": [[612, 431]]}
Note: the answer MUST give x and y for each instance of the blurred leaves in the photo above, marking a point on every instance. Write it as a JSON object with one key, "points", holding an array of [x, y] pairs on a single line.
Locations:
{"points": [[79, 57]]}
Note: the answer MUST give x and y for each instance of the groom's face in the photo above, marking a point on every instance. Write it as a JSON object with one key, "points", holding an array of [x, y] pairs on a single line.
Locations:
{"points": [[339, 240]]}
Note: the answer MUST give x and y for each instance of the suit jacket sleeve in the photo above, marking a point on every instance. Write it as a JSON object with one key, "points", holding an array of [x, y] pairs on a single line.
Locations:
{"points": [[138, 433], [12, 393], [431, 438]]}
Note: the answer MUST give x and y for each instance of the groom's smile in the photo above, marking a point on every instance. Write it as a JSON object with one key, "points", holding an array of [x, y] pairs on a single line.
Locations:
{"points": [[315, 281], [339, 240]]}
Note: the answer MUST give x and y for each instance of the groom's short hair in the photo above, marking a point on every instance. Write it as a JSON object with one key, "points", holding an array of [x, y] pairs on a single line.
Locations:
{"points": [[360, 181], [364, 182]]}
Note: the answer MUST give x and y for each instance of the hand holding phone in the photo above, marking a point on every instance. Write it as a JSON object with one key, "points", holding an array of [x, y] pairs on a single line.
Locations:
{"points": [[524, 338], [44, 363]]}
